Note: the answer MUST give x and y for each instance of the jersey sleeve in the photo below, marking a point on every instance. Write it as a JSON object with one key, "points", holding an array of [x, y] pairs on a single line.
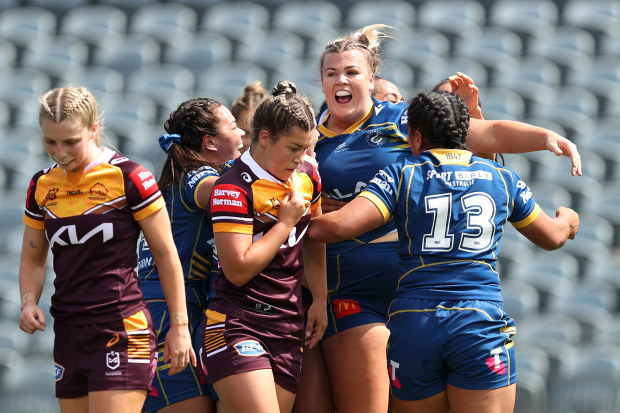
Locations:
{"points": [[382, 190], [33, 217], [230, 210], [525, 210], [141, 190], [193, 181]]}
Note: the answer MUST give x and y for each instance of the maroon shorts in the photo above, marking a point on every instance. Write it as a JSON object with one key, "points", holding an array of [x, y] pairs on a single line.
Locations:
{"points": [[118, 355], [231, 345]]}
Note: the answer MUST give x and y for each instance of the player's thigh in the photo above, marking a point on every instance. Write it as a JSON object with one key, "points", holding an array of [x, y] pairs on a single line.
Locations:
{"points": [[200, 404], [285, 398], [116, 401], [74, 405], [249, 391], [357, 365], [500, 400], [314, 394]]}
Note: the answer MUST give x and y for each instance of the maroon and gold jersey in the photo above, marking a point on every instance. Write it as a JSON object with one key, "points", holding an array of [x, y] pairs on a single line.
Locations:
{"points": [[246, 200], [90, 220]]}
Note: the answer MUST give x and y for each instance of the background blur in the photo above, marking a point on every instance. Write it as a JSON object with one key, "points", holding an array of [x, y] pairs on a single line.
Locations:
{"points": [[550, 63]]}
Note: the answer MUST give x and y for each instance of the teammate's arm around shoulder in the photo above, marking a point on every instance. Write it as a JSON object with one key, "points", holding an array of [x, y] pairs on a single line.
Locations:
{"points": [[552, 233], [178, 345]]}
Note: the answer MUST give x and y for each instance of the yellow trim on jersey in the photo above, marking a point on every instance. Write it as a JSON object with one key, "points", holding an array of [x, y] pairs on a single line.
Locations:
{"points": [[452, 156], [378, 203], [231, 227], [150, 210], [135, 322], [527, 221], [214, 317], [328, 133], [33, 223]]}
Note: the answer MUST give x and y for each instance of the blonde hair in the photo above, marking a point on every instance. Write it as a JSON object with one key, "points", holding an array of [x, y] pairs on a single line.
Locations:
{"points": [[72, 103], [367, 40], [251, 97]]}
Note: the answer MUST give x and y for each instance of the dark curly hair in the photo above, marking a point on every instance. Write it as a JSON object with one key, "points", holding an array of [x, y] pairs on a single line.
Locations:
{"points": [[282, 111], [193, 119], [441, 117]]}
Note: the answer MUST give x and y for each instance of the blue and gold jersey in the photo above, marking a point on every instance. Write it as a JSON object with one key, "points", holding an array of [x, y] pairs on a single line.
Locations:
{"points": [[347, 161], [90, 219], [246, 200], [450, 208], [193, 236]]}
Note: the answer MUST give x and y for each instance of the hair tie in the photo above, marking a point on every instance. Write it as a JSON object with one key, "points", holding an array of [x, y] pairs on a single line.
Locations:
{"points": [[166, 140]]}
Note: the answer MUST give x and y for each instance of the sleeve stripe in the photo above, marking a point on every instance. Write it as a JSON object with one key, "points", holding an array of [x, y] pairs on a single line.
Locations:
{"points": [[232, 218], [146, 201], [378, 203], [231, 227], [530, 218]]}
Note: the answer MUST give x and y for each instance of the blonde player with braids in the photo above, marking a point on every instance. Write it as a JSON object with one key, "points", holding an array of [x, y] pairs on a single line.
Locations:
{"points": [[89, 208], [243, 108], [254, 328], [358, 135]]}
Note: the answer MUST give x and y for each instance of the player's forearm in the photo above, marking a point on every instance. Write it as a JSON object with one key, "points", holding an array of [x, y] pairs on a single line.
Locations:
{"points": [[315, 272], [506, 136], [173, 286]]}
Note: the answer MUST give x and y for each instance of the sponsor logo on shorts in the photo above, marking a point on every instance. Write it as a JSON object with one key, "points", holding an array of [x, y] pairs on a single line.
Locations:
{"points": [[113, 360], [495, 363], [343, 308], [392, 373], [249, 348], [115, 338], [59, 371]]}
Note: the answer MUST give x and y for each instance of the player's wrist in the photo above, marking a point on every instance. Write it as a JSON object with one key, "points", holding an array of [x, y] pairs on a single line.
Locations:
{"points": [[179, 319], [25, 299]]}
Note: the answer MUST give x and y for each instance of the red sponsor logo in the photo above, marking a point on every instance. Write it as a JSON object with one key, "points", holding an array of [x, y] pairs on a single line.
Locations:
{"points": [[392, 372], [343, 308], [228, 198], [494, 363], [144, 181]]}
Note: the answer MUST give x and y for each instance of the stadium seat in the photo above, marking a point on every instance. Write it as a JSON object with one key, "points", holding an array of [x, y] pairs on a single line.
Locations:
{"points": [[574, 108], [5, 115], [530, 19], [520, 299], [94, 23], [600, 76], [307, 18], [494, 47], [401, 74], [26, 25], [420, 48], [270, 49], [100, 80], [59, 8], [235, 20], [126, 53], [451, 17], [128, 6], [531, 393], [305, 75], [500, 103], [610, 335], [200, 6], [166, 22], [550, 195], [164, 84], [9, 4], [610, 44], [56, 56], [126, 114], [396, 13], [436, 71], [596, 16], [199, 52], [589, 381], [228, 79], [568, 47], [8, 54], [607, 206], [593, 242], [533, 78]]}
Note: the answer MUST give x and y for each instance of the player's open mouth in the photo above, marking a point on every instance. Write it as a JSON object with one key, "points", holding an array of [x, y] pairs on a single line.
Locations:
{"points": [[342, 96]]}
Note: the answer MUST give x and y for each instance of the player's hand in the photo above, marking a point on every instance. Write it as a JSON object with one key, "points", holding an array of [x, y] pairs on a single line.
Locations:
{"points": [[316, 323], [292, 207], [329, 204], [178, 348], [562, 146], [571, 217], [32, 318], [463, 86]]}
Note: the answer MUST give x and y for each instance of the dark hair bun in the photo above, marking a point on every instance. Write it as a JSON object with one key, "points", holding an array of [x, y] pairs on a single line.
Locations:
{"points": [[284, 87]]}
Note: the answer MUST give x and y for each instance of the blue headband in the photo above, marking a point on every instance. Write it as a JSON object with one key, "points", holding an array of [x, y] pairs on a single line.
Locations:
{"points": [[166, 140]]}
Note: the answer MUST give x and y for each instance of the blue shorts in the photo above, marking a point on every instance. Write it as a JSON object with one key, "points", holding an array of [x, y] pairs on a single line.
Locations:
{"points": [[361, 284], [467, 344], [186, 384]]}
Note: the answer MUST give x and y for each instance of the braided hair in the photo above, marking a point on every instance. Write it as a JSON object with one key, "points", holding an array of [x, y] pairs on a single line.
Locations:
{"points": [[367, 40], [282, 111], [192, 120], [441, 117], [72, 102]]}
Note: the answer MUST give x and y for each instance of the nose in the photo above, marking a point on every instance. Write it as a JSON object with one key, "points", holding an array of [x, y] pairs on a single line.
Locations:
{"points": [[342, 78]]}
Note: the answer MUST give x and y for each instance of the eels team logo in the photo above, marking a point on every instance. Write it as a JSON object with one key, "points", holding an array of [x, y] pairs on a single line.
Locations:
{"points": [[375, 138], [249, 348]]}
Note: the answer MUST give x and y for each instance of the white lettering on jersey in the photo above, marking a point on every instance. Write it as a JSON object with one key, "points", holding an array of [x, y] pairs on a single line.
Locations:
{"points": [[107, 230], [358, 188], [228, 202], [293, 239], [226, 192], [382, 180]]}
